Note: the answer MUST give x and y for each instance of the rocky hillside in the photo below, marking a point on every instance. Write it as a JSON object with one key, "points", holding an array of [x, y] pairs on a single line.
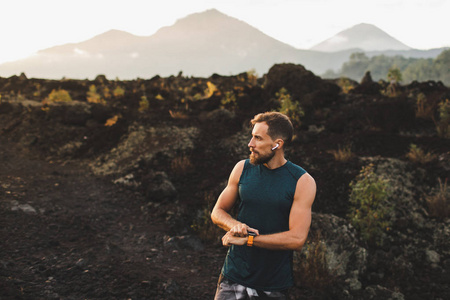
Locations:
{"points": [[107, 195]]}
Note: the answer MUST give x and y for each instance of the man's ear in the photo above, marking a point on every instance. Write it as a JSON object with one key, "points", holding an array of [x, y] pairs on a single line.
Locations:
{"points": [[280, 142]]}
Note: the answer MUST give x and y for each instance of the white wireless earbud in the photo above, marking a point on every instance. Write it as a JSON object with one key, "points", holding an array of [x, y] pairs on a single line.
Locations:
{"points": [[278, 145]]}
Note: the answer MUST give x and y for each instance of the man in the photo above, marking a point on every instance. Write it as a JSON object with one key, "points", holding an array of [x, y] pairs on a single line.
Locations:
{"points": [[274, 215]]}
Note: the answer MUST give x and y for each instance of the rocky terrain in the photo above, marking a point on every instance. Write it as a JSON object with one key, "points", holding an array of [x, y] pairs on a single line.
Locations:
{"points": [[107, 196]]}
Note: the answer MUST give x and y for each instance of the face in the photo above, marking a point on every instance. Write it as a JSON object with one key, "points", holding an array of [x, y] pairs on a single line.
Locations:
{"points": [[261, 144]]}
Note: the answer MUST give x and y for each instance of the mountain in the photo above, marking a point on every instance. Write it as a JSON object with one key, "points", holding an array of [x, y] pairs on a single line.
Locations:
{"points": [[363, 36], [200, 44]]}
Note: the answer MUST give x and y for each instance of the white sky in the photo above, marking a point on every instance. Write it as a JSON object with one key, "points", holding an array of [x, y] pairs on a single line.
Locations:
{"points": [[27, 26]]}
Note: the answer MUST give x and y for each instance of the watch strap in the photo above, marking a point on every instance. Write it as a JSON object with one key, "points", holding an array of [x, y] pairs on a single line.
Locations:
{"points": [[250, 240]]}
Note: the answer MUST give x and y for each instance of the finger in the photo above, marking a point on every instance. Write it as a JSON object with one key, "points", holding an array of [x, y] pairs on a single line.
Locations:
{"points": [[253, 230], [239, 230], [226, 241]]}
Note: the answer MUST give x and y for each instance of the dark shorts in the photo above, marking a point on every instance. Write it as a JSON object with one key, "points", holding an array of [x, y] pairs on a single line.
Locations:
{"points": [[229, 290]]}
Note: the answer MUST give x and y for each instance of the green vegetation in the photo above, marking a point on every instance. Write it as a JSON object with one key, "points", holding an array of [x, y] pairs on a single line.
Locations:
{"points": [[443, 125], [412, 69], [369, 206], [424, 110], [289, 107], [394, 75]]}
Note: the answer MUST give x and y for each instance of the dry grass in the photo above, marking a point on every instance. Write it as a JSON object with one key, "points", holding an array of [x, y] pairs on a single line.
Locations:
{"points": [[439, 201], [342, 154], [418, 155], [181, 165], [111, 121], [179, 115], [311, 268]]}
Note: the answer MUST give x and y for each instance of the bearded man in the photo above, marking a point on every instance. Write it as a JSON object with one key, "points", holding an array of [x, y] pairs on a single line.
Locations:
{"points": [[275, 199]]}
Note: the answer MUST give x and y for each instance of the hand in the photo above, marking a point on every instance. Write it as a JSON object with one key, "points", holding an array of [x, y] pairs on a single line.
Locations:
{"points": [[230, 239], [241, 230]]}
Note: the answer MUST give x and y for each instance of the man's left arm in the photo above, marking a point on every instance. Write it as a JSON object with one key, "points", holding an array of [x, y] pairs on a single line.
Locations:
{"points": [[299, 222]]}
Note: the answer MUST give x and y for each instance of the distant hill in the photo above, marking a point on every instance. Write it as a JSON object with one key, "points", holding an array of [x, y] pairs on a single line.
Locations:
{"points": [[365, 37], [199, 45]]}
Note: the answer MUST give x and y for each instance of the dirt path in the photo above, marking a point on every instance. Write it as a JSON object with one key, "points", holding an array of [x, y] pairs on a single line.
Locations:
{"points": [[66, 234]]}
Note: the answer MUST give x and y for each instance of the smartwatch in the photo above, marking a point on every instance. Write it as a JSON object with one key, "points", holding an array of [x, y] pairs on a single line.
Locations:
{"points": [[250, 237]]}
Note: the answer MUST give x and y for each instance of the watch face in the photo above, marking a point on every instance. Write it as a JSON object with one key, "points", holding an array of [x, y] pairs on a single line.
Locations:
{"points": [[251, 233]]}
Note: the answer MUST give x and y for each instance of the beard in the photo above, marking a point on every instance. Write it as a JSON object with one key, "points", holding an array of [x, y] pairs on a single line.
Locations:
{"points": [[261, 159]]}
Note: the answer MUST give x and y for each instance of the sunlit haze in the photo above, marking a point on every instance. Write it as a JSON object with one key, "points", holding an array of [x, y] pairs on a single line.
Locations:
{"points": [[29, 25]]}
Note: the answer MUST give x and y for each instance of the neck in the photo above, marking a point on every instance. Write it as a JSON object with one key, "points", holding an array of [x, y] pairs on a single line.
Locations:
{"points": [[276, 161]]}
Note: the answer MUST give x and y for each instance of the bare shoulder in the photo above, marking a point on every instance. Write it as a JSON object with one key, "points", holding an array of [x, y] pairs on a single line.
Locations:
{"points": [[306, 189], [306, 180], [237, 172]]}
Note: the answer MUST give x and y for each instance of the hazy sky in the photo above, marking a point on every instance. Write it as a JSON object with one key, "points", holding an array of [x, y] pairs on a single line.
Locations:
{"points": [[27, 26]]}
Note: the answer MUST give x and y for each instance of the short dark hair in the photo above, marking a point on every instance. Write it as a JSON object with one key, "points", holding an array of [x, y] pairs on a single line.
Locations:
{"points": [[279, 125]]}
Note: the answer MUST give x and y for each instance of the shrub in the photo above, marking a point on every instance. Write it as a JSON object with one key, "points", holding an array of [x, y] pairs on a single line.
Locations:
{"points": [[394, 75], [345, 84], [310, 267], [37, 93], [417, 155], [424, 110], [211, 89], [203, 224], [369, 208], [119, 92], [229, 101], [58, 96], [106, 93], [439, 201], [93, 96], [443, 125], [289, 107], [252, 77], [144, 104]]}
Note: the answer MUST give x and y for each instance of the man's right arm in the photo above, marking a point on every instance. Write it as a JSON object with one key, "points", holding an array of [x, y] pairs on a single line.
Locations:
{"points": [[220, 214]]}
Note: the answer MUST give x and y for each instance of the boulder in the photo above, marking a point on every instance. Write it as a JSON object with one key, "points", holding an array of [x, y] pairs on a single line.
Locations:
{"points": [[158, 187], [343, 259], [144, 144], [303, 86], [367, 86]]}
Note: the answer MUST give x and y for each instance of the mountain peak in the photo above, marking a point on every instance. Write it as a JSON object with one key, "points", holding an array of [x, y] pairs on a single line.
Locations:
{"points": [[207, 18], [366, 37], [114, 34]]}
